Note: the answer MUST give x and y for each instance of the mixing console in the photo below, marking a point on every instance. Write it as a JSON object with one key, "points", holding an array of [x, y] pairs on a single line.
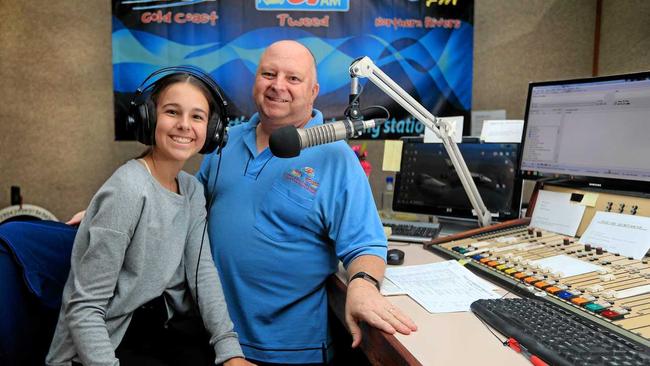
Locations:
{"points": [[613, 290]]}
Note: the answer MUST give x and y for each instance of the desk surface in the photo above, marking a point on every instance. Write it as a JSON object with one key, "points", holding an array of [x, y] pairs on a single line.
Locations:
{"points": [[441, 339]]}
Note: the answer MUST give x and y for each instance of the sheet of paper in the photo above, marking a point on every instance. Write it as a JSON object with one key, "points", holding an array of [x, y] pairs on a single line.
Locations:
{"points": [[502, 131], [441, 287], [555, 212], [589, 199], [455, 122], [568, 266], [478, 117], [627, 235], [392, 155], [388, 288]]}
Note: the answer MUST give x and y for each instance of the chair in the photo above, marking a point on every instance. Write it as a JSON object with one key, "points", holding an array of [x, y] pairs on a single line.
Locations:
{"points": [[34, 265]]}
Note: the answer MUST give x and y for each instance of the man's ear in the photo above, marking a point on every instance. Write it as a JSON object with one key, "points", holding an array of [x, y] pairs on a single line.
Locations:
{"points": [[314, 91]]}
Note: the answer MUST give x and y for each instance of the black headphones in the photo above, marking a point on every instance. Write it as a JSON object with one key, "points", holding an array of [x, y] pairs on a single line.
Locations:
{"points": [[142, 109]]}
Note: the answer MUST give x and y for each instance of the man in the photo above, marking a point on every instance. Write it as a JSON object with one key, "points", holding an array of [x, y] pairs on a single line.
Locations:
{"points": [[278, 227]]}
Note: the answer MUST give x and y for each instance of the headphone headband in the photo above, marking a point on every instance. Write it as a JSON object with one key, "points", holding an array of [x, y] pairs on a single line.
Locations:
{"points": [[142, 113], [187, 69]]}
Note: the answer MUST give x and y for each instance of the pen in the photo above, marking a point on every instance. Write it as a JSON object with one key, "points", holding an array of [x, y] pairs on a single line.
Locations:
{"points": [[519, 348]]}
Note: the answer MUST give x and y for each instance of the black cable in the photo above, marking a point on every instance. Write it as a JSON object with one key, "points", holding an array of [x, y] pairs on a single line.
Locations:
{"points": [[505, 343], [205, 227], [378, 107], [353, 102]]}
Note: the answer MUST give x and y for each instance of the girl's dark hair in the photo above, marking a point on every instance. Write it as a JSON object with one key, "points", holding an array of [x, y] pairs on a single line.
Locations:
{"points": [[174, 78], [181, 77]]}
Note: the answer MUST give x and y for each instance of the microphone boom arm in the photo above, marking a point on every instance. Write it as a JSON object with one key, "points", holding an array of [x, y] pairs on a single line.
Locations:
{"points": [[364, 67]]}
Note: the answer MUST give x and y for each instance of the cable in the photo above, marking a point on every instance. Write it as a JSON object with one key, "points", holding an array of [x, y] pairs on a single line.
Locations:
{"points": [[505, 343], [378, 107], [205, 227]]}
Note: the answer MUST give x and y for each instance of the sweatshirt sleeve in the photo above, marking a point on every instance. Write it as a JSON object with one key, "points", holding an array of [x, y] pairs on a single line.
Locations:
{"points": [[97, 258], [212, 303]]}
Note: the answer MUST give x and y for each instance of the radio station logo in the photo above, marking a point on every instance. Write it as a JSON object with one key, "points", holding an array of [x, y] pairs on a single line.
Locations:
{"points": [[304, 178], [302, 5]]}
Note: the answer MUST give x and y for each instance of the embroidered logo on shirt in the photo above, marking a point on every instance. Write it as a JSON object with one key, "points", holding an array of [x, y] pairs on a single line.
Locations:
{"points": [[309, 171], [303, 178]]}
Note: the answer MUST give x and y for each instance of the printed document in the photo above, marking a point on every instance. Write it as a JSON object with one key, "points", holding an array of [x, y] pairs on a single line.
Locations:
{"points": [[442, 287], [627, 235], [555, 212]]}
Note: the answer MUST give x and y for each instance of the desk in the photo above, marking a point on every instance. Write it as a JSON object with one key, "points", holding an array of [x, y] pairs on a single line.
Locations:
{"points": [[441, 339]]}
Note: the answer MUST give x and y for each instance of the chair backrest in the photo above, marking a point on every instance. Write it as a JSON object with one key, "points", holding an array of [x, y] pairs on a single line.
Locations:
{"points": [[34, 265]]}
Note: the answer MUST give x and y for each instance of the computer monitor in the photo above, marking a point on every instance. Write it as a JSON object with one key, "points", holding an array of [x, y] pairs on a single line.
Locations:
{"points": [[427, 182], [594, 131]]}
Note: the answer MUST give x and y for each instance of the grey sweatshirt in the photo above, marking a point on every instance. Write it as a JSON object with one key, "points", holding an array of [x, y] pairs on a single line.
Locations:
{"points": [[137, 241]]}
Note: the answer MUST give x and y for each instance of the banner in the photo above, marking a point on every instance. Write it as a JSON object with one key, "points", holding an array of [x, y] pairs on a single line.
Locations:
{"points": [[424, 45]]}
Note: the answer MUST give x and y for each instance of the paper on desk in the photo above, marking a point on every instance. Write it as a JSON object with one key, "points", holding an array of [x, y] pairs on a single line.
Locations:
{"points": [[504, 131], [568, 266], [442, 287], [388, 288], [457, 126], [627, 235], [555, 212], [392, 155]]}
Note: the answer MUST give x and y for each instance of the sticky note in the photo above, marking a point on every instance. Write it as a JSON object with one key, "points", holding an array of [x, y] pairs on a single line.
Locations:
{"points": [[392, 155], [589, 199]]}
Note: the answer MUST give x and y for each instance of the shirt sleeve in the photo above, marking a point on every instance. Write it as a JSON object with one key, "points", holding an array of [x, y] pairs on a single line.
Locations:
{"points": [[353, 222], [212, 304], [97, 259]]}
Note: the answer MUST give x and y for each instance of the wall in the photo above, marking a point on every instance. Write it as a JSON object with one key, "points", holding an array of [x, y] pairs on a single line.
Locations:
{"points": [[56, 90]]}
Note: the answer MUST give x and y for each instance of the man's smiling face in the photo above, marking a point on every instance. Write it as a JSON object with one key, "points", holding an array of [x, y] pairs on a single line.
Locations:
{"points": [[285, 85]]}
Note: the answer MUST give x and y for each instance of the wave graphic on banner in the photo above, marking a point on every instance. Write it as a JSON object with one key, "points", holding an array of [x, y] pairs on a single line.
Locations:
{"points": [[426, 67]]}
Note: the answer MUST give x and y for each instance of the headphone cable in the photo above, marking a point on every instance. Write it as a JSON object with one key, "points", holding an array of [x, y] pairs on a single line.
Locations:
{"points": [[205, 228]]}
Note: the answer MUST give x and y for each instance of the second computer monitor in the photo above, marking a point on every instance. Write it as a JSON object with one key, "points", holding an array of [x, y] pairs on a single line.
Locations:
{"points": [[428, 183]]}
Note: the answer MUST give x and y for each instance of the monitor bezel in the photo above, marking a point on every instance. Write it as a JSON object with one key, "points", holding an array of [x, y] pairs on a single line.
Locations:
{"points": [[580, 181], [460, 214]]}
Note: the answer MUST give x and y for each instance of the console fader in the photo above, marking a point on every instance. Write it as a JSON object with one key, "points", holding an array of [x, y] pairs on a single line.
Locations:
{"points": [[616, 295]]}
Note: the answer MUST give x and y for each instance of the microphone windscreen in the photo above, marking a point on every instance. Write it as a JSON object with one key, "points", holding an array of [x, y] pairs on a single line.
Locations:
{"points": [[285, 142]]}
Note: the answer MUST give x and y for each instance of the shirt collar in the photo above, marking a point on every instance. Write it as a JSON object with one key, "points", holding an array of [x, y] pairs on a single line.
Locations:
{"points": [[250, 137]]}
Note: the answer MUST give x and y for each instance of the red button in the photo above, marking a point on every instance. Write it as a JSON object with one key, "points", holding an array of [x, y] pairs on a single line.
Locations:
{"points": [[609, 314]]}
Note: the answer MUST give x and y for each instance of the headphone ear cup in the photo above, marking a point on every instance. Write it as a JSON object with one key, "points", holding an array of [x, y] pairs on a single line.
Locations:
{"points": [[214, 134], [148, 136], [142, 115]]}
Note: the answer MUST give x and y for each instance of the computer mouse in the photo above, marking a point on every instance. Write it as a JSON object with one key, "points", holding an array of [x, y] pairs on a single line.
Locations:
{"points": [[395, 257]]}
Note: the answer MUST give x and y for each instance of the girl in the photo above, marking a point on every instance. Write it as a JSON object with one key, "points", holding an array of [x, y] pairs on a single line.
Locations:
{"points": [[140, 240]]}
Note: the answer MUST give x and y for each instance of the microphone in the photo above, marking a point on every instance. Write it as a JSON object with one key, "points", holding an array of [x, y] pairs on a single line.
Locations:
{"points": [[286, 142]]}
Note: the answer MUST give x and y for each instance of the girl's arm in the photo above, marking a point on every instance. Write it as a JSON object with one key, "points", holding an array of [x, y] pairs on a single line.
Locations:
{"points": [[97, 258]]}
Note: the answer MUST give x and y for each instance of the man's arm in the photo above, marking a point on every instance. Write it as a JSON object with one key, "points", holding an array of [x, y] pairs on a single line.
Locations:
{"points": [[365, 303]]}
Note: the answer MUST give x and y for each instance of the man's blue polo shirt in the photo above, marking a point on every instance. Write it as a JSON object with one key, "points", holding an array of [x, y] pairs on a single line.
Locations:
{"points": [[277, 229]]}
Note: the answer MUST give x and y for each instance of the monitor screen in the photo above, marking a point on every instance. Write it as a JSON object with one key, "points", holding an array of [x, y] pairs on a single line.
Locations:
{"points": [[427, 182], [588, 128]]}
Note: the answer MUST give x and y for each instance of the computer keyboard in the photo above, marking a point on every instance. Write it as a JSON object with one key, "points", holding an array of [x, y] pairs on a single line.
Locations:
{"points": [[558, 336], [412, 231]]}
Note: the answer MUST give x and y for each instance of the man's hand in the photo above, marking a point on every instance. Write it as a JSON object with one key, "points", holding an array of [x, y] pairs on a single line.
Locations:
{"points": [[76, 218], [365, 303], [237, 361]]}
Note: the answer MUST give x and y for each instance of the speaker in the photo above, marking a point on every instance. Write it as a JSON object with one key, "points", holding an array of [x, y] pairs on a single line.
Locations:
{"points": [[142, 110]]}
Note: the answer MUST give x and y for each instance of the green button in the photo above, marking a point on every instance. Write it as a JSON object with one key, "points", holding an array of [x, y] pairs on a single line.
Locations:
{"points": [[594, 307]]}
